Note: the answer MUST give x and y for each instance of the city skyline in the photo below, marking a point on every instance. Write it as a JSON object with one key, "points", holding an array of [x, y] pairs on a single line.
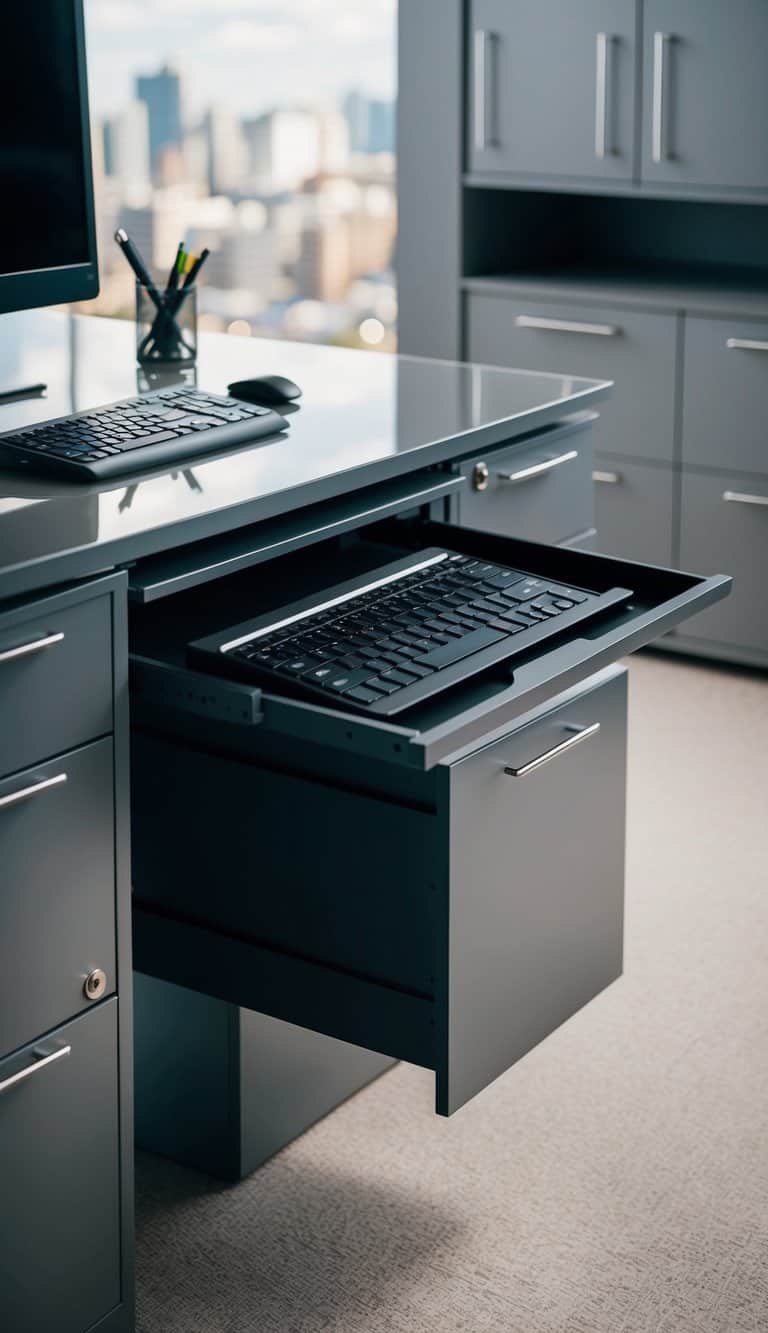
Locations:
{"points": [[250, 55]]}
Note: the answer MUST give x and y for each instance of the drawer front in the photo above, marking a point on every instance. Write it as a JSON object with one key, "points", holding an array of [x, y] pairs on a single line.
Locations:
{"points": [[536, 899], [541, 492], [57, 904], [634, 509], [733, 534], [55, 680], [635, 350], [725, 404], [59, 1202]]}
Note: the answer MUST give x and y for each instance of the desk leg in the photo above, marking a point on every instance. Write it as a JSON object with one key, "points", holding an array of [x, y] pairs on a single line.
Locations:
{"points": [[222, 1089]]}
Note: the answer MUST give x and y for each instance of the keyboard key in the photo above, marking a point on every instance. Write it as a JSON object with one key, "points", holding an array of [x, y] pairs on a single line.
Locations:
{"points": [[362, 695], [460, 648], [318, 675], [339, 683], [522, 592], [557, 590], [383, 685], [401, 677], [505, 578]]}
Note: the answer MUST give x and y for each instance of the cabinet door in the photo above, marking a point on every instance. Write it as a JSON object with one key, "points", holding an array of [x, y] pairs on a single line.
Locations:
{"points": [[551, 87], [725, 396], [705, 93], [59, 1168]]}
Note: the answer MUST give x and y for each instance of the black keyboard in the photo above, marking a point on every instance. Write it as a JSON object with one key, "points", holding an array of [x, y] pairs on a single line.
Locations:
{"points": [[388, 640], [163, 427]]}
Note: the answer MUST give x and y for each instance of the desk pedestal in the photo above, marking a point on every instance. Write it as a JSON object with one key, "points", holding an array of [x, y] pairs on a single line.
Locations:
{"points": [[221, 1088]]}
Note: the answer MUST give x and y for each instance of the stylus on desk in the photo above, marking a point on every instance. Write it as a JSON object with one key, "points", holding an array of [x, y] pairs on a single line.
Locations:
{"points": [[28, 391]]}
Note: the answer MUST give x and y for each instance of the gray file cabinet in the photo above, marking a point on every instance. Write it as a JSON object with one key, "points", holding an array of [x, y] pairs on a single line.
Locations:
{"points": [[646, 264], [552, 88], [65, 1068], [705, 94]]}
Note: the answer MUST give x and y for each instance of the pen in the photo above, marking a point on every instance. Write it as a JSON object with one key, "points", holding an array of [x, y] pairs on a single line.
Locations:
{"points": [[137, 264], [195, 269], [177, 268], [28, 391]]}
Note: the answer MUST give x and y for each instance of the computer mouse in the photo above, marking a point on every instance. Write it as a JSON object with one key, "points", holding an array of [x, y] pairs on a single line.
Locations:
{"points": [[268, 389]]}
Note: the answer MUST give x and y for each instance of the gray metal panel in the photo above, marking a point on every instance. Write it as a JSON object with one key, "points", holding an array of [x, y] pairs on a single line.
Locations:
{"points": [[715, 531], [549, 507], [59, 1165], [635, 509], [640, 358], [541, 88], [741, 294], [57, 906], [429, 161], [222, 1089], [59, 696], [715, 93], [725, 403], [534, 911]]}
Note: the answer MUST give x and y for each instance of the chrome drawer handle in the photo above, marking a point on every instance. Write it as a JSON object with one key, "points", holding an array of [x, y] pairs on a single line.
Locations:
{"points": [[602, 149], [36, 646], [35, 1068], [24, 793], [746, 345], [579, 734], [567, 326], [607, 478], [484, 66], [661, 41], [537, 469], [741, 498]]}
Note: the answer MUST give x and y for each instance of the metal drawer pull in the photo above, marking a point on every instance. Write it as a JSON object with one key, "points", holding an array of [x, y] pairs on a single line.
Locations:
{"points": [[607, 478], [658, 148], [746, 345], [484, 75], [537, 469], [35, 1068], [24, 794], [35, 646], [579, 734], [740, 498], [567, 326], [601, 96]]}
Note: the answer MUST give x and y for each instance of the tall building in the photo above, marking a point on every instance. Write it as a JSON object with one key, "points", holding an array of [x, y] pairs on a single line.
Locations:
{"points": [[283, 150], [126, 147], [162, 94], [371, 123], [227, 154]]}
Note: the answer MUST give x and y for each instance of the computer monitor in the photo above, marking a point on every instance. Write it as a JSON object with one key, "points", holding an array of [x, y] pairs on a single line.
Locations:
{"points": [[47, 232]]}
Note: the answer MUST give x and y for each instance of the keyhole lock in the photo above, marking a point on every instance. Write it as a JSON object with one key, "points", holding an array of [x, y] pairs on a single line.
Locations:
{"points": [[95, 984], [480, 476]]}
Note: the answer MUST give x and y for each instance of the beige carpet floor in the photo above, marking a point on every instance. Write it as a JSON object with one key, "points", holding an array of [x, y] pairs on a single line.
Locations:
{"points": [[615, 1181]]}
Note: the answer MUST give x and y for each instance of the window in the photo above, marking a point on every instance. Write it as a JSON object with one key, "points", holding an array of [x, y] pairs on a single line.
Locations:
{"points": [[265, 130]]}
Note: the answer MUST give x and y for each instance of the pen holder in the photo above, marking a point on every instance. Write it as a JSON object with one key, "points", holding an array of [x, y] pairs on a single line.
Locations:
{"points": [[166, 325]]}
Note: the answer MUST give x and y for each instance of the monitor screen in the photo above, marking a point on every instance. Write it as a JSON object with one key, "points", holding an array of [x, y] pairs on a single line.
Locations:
{"points": [[46, 222]]}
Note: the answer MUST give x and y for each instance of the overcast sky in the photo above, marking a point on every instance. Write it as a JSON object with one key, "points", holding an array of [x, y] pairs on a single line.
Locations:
{"points": [[247, 54]]}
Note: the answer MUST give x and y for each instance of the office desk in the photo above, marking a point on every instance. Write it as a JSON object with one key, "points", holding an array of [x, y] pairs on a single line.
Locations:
{"points": [[313, 891]]}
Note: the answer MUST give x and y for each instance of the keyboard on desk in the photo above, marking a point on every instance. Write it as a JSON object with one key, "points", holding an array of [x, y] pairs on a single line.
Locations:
{"points": [[387, 640], [164, 427]]}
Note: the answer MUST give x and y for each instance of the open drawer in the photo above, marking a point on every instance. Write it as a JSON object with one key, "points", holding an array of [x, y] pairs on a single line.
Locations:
{"points": [[466, 715], [446, 890]]}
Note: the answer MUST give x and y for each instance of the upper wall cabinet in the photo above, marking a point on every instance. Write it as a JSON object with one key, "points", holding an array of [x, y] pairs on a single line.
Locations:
{"points": [[705, 93], [552, 88]]}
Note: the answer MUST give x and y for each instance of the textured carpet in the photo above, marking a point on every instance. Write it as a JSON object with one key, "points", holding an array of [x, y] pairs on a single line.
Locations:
{"points": [[615, 1181]]}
